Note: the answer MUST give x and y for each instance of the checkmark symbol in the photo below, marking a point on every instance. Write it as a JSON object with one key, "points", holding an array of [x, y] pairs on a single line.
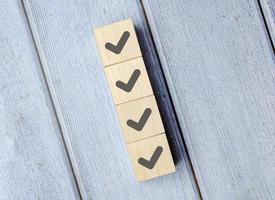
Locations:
{"points": [[142, 121], [121, 43], [150, 164], [127, 87]]}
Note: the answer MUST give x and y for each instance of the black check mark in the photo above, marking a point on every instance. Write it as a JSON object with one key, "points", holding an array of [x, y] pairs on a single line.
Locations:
{"points": [[142, 121], [121, 43], [153, 160], [127, 87]]}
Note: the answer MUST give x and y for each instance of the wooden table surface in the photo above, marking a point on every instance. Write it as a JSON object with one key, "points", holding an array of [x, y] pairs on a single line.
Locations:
{"points": [[212, 68]]}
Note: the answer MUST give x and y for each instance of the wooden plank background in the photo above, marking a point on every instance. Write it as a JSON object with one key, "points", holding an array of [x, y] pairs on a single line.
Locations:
{"points": [[211, 64], [33, 160]]}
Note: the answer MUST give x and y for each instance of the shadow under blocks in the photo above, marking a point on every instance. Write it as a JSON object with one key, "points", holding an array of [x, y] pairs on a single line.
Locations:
{"points": [[163, 98]]}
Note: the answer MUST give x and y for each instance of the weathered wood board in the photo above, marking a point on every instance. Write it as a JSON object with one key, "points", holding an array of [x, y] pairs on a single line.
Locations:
{"points": [[63, 34], [218, 62], [33, 160], [220, 71]]}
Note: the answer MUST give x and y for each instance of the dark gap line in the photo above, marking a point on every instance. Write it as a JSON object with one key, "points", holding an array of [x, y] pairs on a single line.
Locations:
{"points": [[266, 25]]}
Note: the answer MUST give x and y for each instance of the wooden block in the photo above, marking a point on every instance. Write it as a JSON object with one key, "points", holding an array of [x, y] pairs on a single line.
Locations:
{"points": [[140, 119], [128, 80], [151, 157], [117, 42]]}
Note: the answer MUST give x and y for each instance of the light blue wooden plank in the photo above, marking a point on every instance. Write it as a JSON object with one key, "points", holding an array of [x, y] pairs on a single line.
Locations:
{"points": [[221, 73], [63, 34], [33, 161]]}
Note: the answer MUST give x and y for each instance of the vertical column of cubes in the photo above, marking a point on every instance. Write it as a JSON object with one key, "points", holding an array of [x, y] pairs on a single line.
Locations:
{"points": [[135, 102]]}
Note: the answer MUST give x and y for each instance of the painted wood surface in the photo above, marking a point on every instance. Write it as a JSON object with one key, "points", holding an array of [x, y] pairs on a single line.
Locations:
{"points": [[63, 34], [268, 9], [220, 70], [33, 161]]}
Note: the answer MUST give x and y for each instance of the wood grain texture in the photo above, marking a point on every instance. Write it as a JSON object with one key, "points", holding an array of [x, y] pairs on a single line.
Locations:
{"points": [[112, 33], [33, 161], [63, 31], [268, 8], [123, 72], [144, 149], [221, 74], [134, 110]]}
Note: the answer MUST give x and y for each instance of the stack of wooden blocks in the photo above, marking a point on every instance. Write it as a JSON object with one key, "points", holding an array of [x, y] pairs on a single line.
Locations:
{"points": [[134, 100]]}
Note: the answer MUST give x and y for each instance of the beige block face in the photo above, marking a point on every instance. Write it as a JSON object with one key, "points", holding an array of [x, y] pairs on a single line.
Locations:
{"points": [[131, 75], [140, 119], [151, 157], [121, 41]]}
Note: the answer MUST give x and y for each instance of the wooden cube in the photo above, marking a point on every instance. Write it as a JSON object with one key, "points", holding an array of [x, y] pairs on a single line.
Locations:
{"points": [[117, 42], [151, 157], [128, 80], [140, 119]]}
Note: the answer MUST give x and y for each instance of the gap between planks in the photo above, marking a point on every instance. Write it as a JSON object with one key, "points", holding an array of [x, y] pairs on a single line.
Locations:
{"points": [[263, 12]]}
